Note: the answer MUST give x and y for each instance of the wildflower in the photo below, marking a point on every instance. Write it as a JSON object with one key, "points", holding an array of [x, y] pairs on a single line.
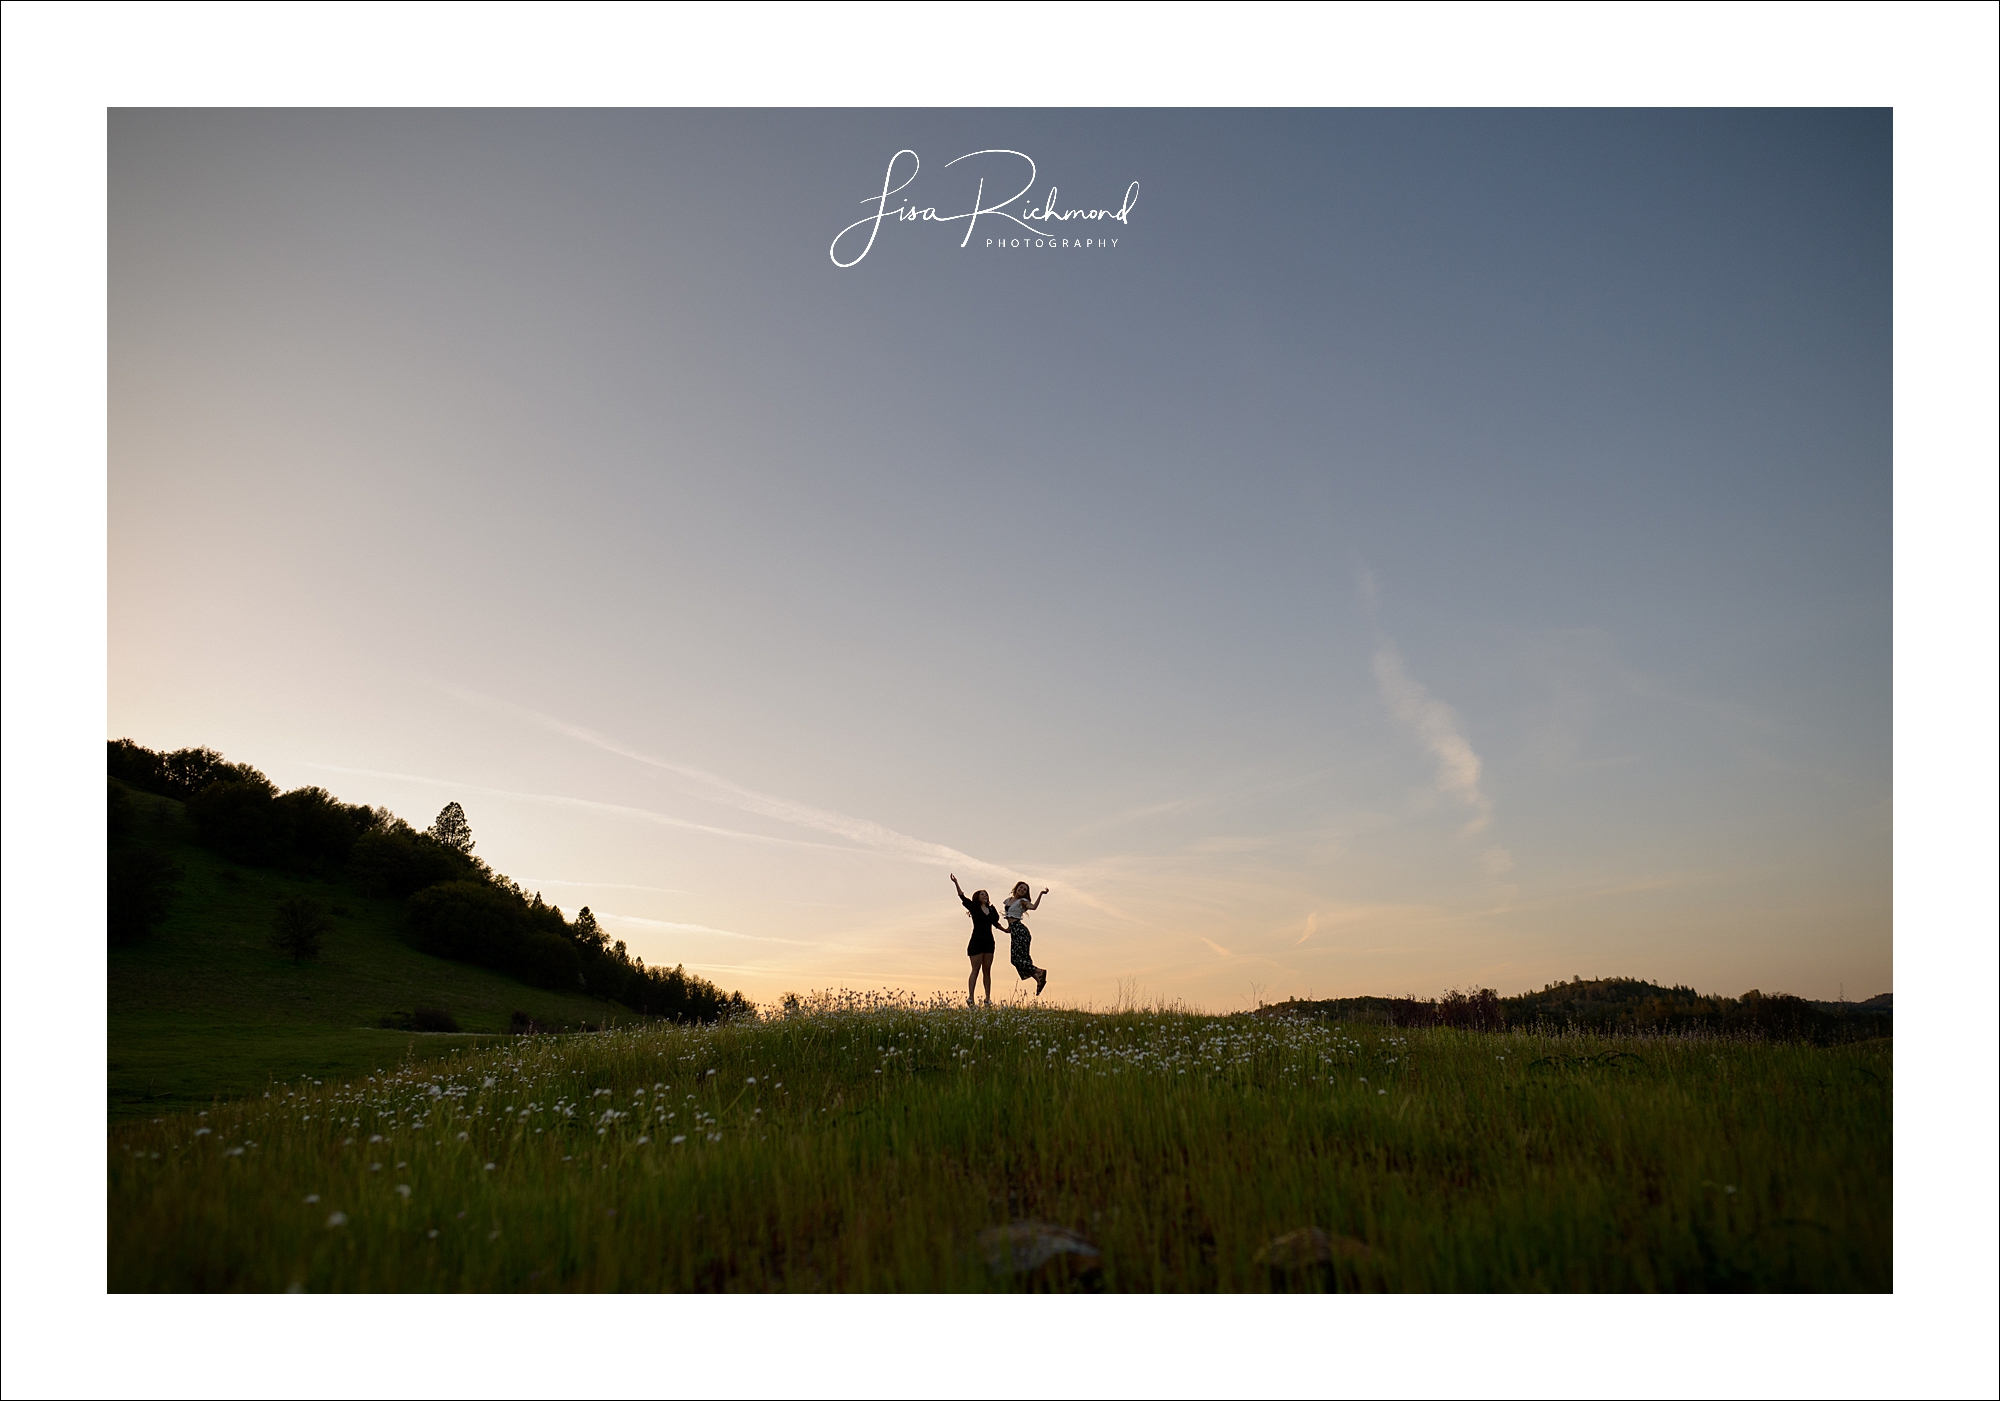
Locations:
{"points": [[463, 1135], [374, 1167], [493, 1235], [643, 1138], [311, 1199], [339, 1218], [432, 1233], [233, 1153], [199, 1132], [677, 1138], [489, 1167], [376, 1139], [751, 1081], [403, 1190]]}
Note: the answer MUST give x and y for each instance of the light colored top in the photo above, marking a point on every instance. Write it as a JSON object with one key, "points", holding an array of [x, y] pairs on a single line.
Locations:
{"points": [[1016, 907]]}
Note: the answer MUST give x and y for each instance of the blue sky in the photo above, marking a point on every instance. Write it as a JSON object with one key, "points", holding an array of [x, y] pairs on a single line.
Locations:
{"points": [[1430, 548]]}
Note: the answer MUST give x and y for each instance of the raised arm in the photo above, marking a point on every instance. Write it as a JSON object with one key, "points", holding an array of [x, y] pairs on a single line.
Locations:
{"points": [[1038, 899]]}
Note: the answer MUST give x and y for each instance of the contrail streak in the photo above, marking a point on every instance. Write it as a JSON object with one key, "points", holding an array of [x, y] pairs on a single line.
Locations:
{"points": [[715, 788]]}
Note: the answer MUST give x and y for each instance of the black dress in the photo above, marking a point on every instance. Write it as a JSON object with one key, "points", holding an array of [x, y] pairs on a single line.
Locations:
{"points": [[984, 917]]}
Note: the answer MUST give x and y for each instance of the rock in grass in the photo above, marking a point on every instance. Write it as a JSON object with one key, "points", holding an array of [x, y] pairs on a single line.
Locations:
{"points": [[1039, 1251], [1310, 1253]]}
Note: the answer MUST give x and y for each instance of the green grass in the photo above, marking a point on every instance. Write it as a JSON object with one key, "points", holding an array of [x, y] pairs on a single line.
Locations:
{"points": [[876, 1144], [207, 1010]]}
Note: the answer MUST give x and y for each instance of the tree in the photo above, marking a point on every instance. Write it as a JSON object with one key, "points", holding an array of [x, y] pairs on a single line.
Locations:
{"points": [[453, 830], [139, 892], [587, 931], [299, 926]]}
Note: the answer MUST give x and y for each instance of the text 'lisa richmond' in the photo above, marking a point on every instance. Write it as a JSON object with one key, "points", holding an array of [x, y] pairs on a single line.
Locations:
{"points": [[1050, 226]]}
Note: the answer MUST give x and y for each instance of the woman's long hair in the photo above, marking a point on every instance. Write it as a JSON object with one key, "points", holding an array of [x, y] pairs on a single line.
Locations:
{"points": [[982, 899]]}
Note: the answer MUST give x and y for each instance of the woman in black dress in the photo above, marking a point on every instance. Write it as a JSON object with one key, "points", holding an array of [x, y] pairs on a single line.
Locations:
{"points": [[980, 950]]}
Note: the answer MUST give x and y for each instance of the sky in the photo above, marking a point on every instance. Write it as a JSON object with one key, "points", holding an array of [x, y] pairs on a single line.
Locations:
{"points": [[1426, 550]]}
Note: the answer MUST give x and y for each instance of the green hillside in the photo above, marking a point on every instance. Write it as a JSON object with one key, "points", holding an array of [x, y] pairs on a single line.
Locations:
{"points": [[205, 1008]]}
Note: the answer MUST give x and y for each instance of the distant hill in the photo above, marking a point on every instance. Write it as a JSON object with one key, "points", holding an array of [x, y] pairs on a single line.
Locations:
{"points": [[202, 1005], [1612, 1004]]}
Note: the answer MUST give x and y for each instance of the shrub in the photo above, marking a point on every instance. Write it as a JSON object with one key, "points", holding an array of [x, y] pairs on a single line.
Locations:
{"points": [[299, 926], [485, 924], [423, 1019], [241, 820], [139, 890], [320, 830], [399, 861], [181, 774], [433, 1019]]}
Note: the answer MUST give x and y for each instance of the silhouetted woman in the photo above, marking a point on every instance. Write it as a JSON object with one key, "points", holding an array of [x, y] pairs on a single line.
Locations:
{"points": [[980, 950], [1018, 905]]}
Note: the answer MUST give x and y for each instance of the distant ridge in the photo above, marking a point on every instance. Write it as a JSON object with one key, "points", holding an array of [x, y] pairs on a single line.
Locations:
{"points": [[1612, 1004]]}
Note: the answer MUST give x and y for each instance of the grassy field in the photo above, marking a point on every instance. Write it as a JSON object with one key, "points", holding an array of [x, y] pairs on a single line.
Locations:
{"points": [[876, 1147], [206, 1009]]}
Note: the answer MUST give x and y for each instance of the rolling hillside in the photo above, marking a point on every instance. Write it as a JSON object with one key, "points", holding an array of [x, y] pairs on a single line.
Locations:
{"points": [[206, 1008]]}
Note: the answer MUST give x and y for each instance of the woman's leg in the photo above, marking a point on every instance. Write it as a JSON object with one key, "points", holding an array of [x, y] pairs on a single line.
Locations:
{"points": [[986, 968], [972, 978], [1024, 963]]}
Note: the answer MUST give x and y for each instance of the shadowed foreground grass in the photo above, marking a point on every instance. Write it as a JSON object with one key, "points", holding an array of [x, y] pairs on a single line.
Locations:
{"points": [[867, 1148]]}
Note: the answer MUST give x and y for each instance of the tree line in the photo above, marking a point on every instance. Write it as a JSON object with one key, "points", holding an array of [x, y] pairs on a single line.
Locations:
{"points": [[457, 906], [1613, 1005]]}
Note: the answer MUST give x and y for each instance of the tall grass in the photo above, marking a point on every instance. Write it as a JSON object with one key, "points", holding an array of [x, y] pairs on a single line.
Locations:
{"points": [[864, 1144]]}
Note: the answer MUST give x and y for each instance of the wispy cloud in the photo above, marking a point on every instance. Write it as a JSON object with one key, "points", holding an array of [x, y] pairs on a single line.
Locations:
{"points": [[1212, 944], [1312, 923], [676, 927], [714, 788], [533, 881], [1138, 814], [1436, 727], [586, 804]]}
